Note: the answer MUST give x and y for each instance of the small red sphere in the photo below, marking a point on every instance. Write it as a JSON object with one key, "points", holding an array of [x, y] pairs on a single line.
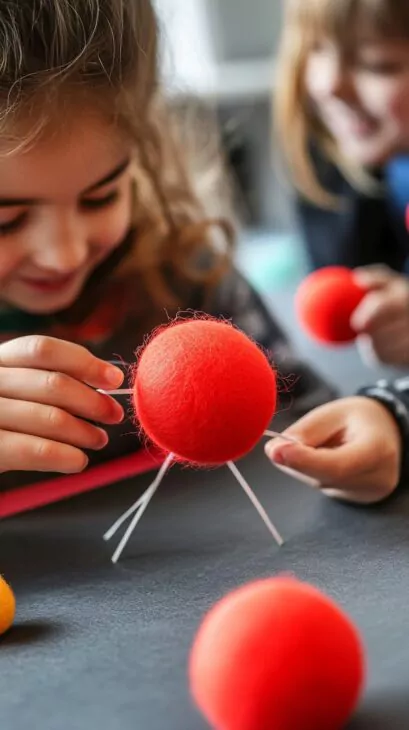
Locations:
{"points": [[277, 654], [204, 391], [325, 302]]}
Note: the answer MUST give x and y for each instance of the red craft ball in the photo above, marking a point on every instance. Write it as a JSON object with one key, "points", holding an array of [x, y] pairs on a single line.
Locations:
{"points": [[277, 655], [204, 391], [325, 302]]}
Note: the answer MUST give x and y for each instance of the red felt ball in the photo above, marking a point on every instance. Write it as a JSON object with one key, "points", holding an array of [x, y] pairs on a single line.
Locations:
{"points": [[325, 302], [276, 655], [204, 391]]}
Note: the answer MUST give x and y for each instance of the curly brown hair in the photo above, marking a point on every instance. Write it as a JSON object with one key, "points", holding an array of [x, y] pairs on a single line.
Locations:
{"points": [[106, 51]]}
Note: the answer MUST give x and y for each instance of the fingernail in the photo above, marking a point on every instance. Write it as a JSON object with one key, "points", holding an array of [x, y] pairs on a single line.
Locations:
{"points": [[117, 411], [278, 457], [102, 439], [274, 454], [113, 376]]}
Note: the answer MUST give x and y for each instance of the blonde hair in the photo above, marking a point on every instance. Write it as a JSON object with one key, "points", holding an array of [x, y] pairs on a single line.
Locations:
{"points": [[296, 124], [58, 52]]}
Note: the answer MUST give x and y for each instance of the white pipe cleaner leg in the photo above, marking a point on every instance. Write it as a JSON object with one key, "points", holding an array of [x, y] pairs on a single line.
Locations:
{"points": [[139, 508], [260, 509]]}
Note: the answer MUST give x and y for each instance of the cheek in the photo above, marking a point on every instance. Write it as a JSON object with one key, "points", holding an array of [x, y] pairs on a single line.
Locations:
{"points": [[108, 229], [11, 258], [315, 80], [399, 107], [386, 100]]}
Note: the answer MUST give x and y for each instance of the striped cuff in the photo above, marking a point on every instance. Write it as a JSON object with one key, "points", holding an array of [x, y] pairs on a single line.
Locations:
{"points": [[391, 396]]}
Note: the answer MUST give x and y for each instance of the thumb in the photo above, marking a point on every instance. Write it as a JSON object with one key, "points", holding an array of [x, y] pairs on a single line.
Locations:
{"points": [[322, 465], [373, 277]]}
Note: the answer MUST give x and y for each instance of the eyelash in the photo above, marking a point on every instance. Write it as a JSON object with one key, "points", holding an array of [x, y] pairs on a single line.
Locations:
{"points": [[97, 203], [88, 205], [14, 225]]}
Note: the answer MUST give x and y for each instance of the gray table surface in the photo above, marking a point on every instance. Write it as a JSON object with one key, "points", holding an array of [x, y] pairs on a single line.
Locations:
{"points": [[98, 646], [103, 647]]}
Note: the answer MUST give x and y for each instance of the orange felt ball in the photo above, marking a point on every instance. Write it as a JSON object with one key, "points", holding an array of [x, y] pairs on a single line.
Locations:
{"points": [[7, 606], [276, 654], [204, 391], [325, 302]]}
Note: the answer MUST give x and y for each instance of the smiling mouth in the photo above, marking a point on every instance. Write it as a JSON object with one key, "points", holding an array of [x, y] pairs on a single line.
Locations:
{"points": [[358, 124], [49, 285]]}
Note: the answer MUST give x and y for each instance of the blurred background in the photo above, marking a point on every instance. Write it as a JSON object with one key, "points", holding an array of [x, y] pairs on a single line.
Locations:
{"points": [[222, 53]]}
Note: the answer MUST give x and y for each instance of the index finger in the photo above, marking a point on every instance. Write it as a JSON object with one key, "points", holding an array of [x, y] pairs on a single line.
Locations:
{"points": [[374, 276], [48, 353], [318, 426], [375, 310], [329, 466]]}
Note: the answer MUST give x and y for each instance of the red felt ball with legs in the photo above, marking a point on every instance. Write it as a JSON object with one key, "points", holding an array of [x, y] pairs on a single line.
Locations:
{"points": [[277, 655], [204, 391], [325, 302]]}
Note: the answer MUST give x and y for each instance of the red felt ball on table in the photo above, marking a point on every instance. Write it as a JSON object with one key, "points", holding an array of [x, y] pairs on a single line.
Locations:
{"points": [[325, 302], [204, 391], [277, 655]]}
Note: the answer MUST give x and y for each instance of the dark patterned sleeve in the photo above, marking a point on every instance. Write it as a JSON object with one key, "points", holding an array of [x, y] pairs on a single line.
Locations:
{"points": [[394, 395], [301, 389]]}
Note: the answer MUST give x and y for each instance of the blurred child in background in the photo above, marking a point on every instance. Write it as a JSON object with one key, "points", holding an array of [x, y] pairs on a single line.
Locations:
{"points": [[342, 110]]}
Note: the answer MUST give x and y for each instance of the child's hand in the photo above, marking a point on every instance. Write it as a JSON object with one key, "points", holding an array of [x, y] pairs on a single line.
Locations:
{"points": [[45, 401], [383, 314], [351, 446]]}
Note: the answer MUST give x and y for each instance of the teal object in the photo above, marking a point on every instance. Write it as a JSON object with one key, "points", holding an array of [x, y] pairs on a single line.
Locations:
{"points": [[271, 263]]}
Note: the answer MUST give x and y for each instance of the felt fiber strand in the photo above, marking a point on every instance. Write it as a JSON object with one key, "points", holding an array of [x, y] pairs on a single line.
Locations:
{"points": [[40, 494]]}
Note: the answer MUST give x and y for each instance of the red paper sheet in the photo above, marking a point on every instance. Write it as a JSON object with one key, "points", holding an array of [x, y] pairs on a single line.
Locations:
{"points": [[33, 496]]}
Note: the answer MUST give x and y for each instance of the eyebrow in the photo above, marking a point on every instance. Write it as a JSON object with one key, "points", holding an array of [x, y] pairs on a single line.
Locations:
{"points": [[109, 178]]}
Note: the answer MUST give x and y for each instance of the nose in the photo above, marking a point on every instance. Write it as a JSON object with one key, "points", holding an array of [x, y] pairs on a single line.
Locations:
{"points": [[62, 245]]}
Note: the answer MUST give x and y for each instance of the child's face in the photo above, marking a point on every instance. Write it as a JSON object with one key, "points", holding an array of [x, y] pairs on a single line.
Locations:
{"points": [[363, 101], [65, 204]]}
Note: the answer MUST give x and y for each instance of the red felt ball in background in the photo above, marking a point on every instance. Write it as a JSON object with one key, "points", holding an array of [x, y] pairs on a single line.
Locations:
{"points": [[204, 391], [325, 302], [277, 655]]}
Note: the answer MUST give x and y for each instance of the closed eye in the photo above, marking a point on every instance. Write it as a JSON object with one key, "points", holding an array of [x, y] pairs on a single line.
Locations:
{"points": [[97, 203], [13, 225]]}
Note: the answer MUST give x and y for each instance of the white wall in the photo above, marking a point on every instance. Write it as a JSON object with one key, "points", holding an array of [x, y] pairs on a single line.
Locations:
{"points": [[187, 43], [219, 47], [222, 49]]}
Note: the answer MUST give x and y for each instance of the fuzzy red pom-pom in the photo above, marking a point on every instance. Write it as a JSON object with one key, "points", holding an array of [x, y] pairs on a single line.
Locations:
{"points": [[277, 654], [204, 391], [325, 302]]}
